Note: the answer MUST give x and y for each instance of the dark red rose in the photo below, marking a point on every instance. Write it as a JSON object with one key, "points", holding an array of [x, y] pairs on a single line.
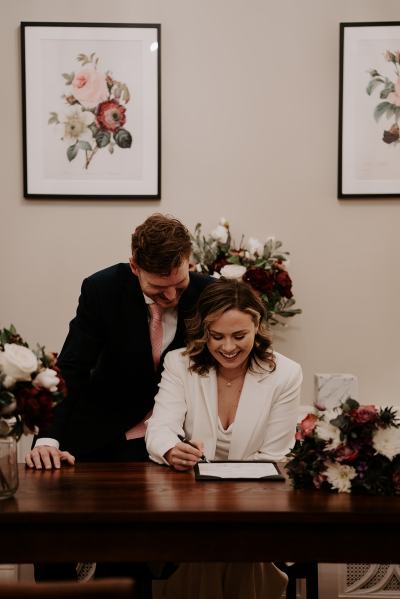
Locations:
{"points": [[344, 453], [111, 115], [218, 264], [284, 283], [261, 280], [364, 414], [396, 481], [35, 407]]}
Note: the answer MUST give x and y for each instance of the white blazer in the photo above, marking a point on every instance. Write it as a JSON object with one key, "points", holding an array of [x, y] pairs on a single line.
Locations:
{"points": [[187, 404]]}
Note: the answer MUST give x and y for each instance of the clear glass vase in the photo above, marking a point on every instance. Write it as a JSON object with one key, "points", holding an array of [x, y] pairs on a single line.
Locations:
{"points": [[8, 466]]}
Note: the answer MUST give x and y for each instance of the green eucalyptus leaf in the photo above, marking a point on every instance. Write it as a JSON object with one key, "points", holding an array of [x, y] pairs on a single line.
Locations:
{"points": [[102, 138], [381, 109], [84, 145], [123, 138], [72, 152]]}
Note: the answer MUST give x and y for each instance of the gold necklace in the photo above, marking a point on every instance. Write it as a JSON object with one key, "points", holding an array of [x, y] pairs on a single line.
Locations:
{"points": [[228, 382]]}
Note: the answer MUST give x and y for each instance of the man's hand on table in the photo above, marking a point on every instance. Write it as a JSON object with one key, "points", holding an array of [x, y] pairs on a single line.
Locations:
{"points": [[48, 457]]}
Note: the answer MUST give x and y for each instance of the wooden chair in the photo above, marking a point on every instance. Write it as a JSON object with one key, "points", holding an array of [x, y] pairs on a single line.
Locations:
{"points": [[299, 570], [106, 588]]}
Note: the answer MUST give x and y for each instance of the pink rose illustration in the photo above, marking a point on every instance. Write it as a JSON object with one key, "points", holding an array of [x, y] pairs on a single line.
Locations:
{"points": [[90, 87]]}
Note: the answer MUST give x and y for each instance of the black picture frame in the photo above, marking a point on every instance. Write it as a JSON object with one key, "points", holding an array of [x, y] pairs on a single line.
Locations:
{"points": [[91, 110], [369, 110]]}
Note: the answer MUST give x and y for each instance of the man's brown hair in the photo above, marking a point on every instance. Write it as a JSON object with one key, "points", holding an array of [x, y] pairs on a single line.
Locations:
{"points": [[160, 244]]}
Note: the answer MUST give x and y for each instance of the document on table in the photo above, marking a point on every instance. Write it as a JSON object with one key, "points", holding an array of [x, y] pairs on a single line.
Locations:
{"points": [[231, 470]]}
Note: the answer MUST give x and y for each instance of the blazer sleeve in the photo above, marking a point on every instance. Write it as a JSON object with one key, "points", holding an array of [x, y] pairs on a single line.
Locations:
{"points": [[170, 408], [281, 422]]}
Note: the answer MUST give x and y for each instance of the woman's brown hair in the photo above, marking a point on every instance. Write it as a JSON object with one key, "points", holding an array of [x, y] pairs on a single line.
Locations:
{"points": [[216, 299]]}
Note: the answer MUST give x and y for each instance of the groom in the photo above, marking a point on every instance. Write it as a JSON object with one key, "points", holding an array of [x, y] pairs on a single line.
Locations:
{"points": [[108, 362]]}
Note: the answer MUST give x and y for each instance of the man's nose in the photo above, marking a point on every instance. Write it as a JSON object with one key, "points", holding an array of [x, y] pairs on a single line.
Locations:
{"points": [[169, 293]]}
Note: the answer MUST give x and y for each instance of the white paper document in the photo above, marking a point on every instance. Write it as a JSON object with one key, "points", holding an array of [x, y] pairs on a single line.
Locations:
{"points": [[238, 469]]}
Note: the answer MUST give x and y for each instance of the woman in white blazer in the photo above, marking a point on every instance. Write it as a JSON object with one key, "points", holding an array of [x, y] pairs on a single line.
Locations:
{"points": [[235, 399]]}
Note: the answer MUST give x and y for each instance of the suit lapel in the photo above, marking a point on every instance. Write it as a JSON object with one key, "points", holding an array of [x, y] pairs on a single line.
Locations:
{"points": [[250, 412], [135, 313]]}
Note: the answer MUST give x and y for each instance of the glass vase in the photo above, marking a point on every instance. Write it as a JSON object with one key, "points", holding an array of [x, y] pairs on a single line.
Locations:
{"points": [[8, 466]]}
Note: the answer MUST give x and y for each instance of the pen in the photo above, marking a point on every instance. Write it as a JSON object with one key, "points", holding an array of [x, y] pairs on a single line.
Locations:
{"points": [[184, 440]]}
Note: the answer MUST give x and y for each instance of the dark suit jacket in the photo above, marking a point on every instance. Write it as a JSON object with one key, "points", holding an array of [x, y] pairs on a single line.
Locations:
{"points": [[107, 363]]}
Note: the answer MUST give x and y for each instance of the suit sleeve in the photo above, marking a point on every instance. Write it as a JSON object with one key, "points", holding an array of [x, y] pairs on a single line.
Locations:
{"points": [[169, 412], [78, 357], [281, 422]]}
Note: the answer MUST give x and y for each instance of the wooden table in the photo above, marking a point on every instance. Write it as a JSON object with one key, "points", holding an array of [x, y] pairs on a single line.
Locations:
{"points": [[142, 511]]}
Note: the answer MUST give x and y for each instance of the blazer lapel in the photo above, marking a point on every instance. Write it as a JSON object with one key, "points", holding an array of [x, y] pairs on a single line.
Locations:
{"points": [[205, 423], [251, 409]]}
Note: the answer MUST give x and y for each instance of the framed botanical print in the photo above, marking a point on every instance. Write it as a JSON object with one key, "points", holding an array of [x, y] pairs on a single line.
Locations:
{"points": [[369, 112], [91, 110]]}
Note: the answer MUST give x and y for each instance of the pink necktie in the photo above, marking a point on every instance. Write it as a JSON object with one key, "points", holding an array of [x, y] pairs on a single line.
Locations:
{"points": [[156, 336], [156, 332]]}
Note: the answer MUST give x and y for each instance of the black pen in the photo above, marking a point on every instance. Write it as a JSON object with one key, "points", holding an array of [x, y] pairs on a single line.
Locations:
{"points": [[184, 440]]}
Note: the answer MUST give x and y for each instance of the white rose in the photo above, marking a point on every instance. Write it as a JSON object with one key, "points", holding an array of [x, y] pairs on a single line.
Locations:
{"points": [[327, 431], [18, 362], [46, 379], [340, 476], [233, 271], [386, 441], [220, 234], [255, 247]]}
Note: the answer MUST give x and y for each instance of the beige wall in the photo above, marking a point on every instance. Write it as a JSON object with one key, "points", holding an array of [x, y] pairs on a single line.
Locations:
{"points": [[249, 130]]}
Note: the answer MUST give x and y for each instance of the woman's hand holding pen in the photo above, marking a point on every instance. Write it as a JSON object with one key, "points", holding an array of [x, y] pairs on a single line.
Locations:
{"points": [[184, 456]]}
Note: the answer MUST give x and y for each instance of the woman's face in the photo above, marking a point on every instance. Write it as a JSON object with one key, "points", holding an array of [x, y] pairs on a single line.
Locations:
{"points": [[231, 338]]}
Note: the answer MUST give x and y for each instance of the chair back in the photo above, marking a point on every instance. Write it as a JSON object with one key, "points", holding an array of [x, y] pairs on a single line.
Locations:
{"points": [[107, 588]]}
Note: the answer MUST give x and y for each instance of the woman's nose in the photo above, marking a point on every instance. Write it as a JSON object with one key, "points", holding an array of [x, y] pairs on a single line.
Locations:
{"points": [[228, 344]]}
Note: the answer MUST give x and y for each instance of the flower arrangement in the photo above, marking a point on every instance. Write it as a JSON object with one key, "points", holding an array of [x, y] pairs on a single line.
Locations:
{"points": [[30, 385], [262, 265], [353, 448], [96, 111], [389, 96]]}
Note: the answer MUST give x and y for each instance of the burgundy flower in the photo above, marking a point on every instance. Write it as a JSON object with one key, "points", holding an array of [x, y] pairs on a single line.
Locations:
{"points": [[364, 414], [35, 407], [284, 283], [396, 481], [218, 264], [344, 453], [260, 279], [111, 115]]}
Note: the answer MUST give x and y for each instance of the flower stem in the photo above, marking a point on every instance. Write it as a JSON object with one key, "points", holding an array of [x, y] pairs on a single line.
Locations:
{"points": [[89, 156]]}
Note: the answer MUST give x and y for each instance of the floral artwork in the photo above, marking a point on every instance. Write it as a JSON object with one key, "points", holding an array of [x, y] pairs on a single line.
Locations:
{"points": [[351, 449], [95, 111], [31, 385], [261, 265], [389, 95]]}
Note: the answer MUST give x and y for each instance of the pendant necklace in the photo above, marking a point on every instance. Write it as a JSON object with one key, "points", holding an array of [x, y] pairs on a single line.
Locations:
{"points": [[228, 382]]}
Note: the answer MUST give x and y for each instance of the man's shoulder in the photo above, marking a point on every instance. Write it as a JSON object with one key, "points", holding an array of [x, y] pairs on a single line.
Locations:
{"points": [[110, 273]]}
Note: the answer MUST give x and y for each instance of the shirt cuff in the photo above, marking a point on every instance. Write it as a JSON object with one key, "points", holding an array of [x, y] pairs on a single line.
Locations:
{"points": [[47, 441]]}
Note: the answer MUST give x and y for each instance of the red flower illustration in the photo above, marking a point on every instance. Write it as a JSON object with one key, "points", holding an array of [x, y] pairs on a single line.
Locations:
{"points": [[111, 115]]}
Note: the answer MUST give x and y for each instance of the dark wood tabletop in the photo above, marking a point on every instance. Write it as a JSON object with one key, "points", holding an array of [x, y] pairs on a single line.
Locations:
{"points": [[142, 511]]}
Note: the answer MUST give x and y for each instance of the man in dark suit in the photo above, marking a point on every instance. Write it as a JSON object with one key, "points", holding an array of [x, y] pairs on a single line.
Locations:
{"points": [[107, 359]]}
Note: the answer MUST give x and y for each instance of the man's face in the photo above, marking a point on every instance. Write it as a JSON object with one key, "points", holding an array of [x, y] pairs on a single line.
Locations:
{"points": [[164, 290]]}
